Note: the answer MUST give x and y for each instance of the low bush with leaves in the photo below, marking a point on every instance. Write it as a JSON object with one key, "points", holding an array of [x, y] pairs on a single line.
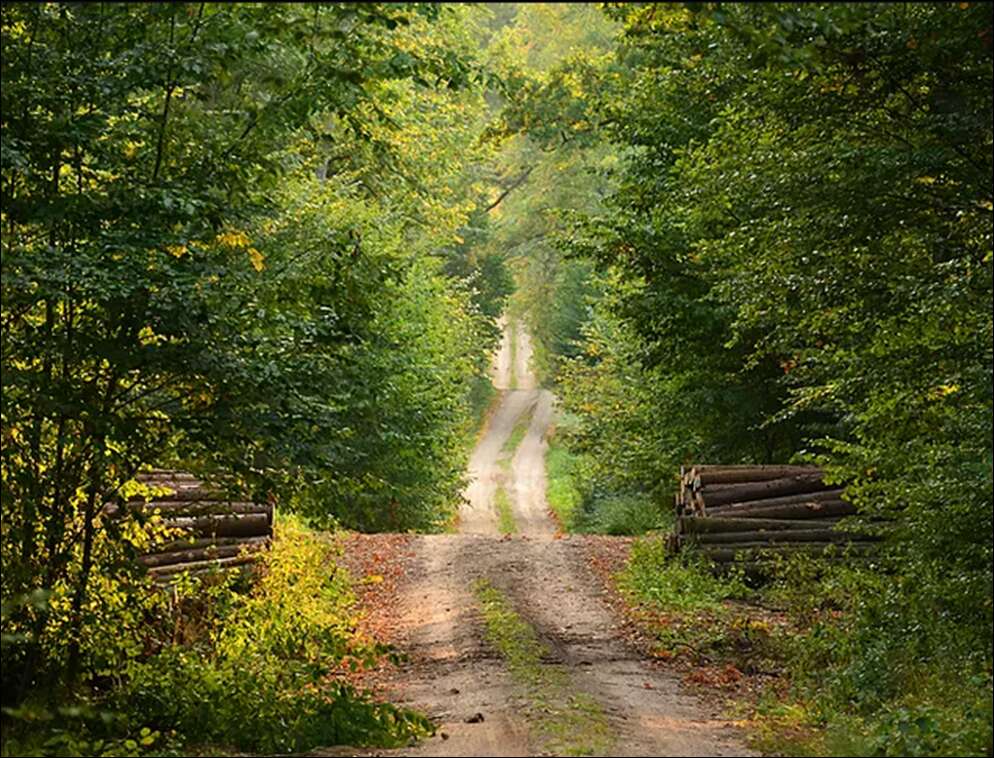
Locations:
{"points": [[858, 672], [266, 667], [585, 497], [687, 608], [879, 674]]}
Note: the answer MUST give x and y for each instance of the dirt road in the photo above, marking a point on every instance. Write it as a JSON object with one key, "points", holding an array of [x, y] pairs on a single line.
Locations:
{"points": [[587, 691], [524, 479]]}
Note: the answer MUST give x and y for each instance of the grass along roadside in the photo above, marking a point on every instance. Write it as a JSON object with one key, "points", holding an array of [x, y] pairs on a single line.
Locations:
{"points": [[568, 722], [516, 436], [286, 649], [484, 401], [784, 661], [561, 492], [579, 505]]}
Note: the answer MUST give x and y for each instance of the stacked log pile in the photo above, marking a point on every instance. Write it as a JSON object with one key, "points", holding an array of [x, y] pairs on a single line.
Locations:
{"points": [[218, 532], [746, 514]]}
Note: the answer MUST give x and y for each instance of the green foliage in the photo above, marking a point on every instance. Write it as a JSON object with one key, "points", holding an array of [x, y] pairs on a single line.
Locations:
{"points": [[877, 668], [868, 675], [820, 236], [269, 671], [505, 512], [540, 187], [273, 241], [227, 238], [518, 432], [405, 428], [81, 731], [653, 576], [619, 514], [587, 494], [266, 669], [796, 263], [692, 612], [562, 492], [510, 634]]}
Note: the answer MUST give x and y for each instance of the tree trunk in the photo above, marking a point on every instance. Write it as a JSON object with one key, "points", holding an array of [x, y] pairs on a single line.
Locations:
{"points": [[754, 551], [703, 476], [184, 491], [79, 596], [177, 508], [247, 525], [803, 510], [739, 493], [194, 543], [730, 509], [776, 537], [722, 524], [207, 552], [206, 565]]}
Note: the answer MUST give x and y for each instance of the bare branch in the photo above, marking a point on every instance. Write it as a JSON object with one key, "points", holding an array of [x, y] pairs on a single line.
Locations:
{"points": [[512, 186]]}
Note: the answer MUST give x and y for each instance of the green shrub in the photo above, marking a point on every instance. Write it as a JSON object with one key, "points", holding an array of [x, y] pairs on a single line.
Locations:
{"points": [[654, 576], [562, 490], [270, 670], [264, 667], [620, 514], [580, 506], [883, 669]]}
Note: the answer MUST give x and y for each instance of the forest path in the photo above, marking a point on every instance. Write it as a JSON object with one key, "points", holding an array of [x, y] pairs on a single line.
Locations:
{"points": [[586, 690]]}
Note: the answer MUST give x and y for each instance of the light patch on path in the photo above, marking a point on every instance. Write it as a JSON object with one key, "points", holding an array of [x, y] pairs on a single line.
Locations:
{"points": [[477, 514], [522, 360]]}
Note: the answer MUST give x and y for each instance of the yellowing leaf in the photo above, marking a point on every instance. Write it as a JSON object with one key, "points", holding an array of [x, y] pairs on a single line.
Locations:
{"points": [[943, 390], [257, 258], [177, 251], [234, 239], [147, 336]]}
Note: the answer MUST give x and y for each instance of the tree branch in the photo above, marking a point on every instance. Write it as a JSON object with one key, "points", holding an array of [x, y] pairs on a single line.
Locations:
{"points": [[512, 186]]}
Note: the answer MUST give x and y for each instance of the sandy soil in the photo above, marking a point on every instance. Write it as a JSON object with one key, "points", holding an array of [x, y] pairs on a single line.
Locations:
{"points": [[453, 674]]}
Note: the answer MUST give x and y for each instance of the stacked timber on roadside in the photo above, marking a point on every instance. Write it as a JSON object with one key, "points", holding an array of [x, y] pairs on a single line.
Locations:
{"points": [[750, 513], [218, 532]]}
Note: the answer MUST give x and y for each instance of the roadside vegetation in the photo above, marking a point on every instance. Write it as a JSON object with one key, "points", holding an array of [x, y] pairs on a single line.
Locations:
{"points": [[579, 500], [502, 502], [505, 511], [806, 659], [514, 439], [221, 663]]}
